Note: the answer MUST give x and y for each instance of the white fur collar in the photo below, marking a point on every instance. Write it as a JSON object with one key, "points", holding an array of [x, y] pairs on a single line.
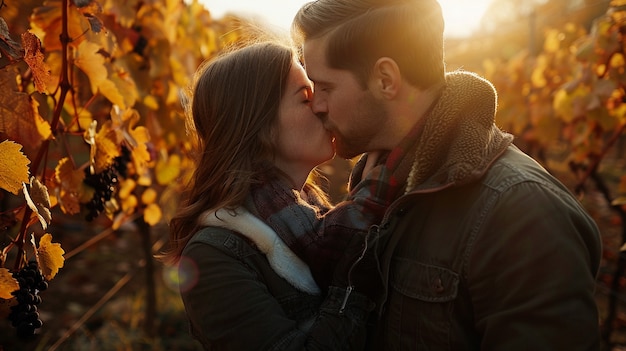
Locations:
{"points": [[284, 261]]}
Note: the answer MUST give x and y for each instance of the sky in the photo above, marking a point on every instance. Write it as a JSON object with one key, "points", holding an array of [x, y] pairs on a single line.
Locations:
{"points": [[461, 16]]}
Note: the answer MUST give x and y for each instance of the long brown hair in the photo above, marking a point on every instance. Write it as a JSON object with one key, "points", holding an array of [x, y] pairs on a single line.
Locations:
{"points": [[234, 111]]}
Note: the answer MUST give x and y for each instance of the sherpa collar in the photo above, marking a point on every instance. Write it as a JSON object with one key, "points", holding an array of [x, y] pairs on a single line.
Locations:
{"points": [[284, 261], [460, 139]]}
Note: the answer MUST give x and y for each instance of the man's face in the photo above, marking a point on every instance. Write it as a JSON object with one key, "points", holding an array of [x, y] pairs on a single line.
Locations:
{"points": [[349, 111]]}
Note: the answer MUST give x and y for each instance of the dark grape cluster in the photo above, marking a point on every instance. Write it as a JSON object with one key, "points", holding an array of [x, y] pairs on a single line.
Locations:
{"points": [[24, 316], [120, 163], [105, 183]]}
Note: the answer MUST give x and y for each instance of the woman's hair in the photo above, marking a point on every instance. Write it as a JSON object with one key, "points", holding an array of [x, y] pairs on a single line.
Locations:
{"points": [[233, 115], [361, 31]]}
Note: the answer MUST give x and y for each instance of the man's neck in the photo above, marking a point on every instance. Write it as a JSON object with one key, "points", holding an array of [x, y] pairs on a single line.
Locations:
{"points": [[411, 107]]}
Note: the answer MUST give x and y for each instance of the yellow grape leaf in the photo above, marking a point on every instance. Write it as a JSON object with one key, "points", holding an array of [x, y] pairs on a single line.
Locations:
{"points": [[71, 186], [46, 24], [167, 171], [106, 148], [34, 57], [69, 177], [42, 126], [617, 60], [129, 204], [125, 86], [152, 214], [39, 201], [19, 118], [8, 284], [5, 306], [13, 167], [113, 83], [110, 91], [569, 106], [50, 256], [124, 122], [149, 196], [126, 188], [92, 63], [102, 149], [151, 102]]}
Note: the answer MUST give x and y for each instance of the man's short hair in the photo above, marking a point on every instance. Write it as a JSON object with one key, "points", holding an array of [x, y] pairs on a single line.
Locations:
{"points": [[361, 31]]}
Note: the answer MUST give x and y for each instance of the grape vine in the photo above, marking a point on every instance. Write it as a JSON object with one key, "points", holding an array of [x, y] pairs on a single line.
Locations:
{"points": [[24, 316], [110, 75]]}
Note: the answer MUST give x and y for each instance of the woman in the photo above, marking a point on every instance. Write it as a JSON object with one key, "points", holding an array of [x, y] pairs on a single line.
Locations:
{"points": [[254, 222]]}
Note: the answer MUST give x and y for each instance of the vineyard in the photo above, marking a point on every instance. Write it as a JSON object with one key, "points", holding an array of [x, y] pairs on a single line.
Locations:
{"points": [[94, 154]]}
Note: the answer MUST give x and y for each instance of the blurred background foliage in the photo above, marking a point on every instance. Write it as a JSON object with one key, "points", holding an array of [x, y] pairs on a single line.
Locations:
{"points": [[558, 65]]}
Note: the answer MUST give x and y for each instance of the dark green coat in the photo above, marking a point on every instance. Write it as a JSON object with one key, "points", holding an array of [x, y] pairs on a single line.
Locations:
{"points": [[236, 301], [506, 263], [487, 250]]}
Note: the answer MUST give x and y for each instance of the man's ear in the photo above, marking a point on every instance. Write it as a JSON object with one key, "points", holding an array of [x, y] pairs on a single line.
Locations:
{"points": [[385, 79]]}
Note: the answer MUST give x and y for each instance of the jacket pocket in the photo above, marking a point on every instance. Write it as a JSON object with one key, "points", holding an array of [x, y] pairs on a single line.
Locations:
{"points": [[424, 282], [420, 305]]}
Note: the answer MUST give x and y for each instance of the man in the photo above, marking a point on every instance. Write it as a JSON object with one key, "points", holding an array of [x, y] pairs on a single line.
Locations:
{"points": [[484, 249]]}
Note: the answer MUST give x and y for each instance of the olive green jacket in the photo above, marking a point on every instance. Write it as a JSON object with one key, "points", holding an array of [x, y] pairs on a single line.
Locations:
{"points": [[486, 251], [239, 296]]}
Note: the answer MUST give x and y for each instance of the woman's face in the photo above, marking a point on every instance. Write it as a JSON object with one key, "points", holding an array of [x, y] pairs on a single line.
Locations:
{"points": [[303, 143]]}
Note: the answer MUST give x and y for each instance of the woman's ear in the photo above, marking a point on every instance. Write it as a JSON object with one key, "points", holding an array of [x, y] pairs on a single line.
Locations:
{"points": [[386, 79]]}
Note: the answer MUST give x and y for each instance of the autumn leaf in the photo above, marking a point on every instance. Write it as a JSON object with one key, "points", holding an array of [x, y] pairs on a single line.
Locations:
{"points": [[39, 201], [8, 284], [71, 186], [129, 204], [149, 196], [107, 148], [89, 59], [50, 256], [46, 24], [152, 214], [124, 86], [19, 118], [124, 122], [126, 188], [8, 47], [34, 57], [13, 167], [102, 149], [167, 171]]}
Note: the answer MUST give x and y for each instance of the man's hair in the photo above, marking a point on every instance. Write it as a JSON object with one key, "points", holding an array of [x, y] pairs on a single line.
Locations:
{"points": [[361, 31]]}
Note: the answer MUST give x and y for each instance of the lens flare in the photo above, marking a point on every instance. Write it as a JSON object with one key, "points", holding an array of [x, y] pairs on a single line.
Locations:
{"points": [[181, 277]]}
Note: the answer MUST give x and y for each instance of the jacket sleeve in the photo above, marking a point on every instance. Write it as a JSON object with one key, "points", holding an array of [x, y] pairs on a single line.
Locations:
{"points": [[532, 272], [230, 308]]}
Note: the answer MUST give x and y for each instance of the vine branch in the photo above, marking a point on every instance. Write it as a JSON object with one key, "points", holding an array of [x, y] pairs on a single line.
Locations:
{"points": [[43, 149]]}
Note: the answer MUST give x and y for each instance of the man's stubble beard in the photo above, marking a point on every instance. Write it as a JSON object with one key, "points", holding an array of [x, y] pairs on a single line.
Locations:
{"points": [[371, 117]]}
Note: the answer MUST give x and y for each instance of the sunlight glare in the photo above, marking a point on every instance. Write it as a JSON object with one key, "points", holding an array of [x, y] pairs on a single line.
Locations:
{"points": [[462, 16]]}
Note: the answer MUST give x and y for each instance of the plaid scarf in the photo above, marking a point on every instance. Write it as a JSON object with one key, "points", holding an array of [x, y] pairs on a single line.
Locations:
{"points": [[318, 234]]}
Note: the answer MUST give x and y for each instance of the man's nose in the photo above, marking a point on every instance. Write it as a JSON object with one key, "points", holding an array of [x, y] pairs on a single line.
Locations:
{"points": [[319, 106]]}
